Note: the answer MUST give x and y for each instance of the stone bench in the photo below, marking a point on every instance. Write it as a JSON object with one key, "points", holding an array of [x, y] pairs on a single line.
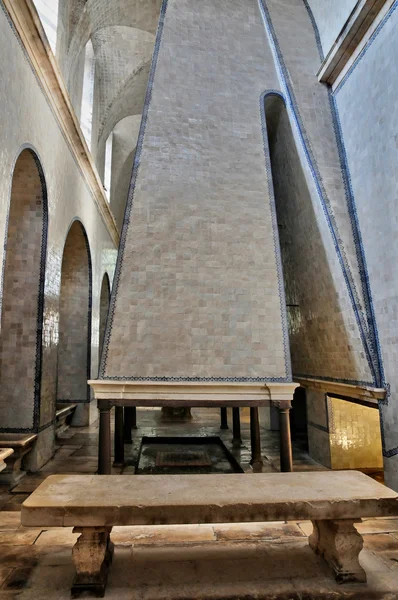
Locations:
{"points": [[21, 444], [92, 504], [63, 416], [4, 453]]}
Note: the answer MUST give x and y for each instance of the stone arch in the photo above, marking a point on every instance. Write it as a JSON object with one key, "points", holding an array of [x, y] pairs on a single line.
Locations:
{"points": [[124, 137], [103, 312], [75, 309], [121, 189], [24, 266], [319, 347], [86, 111], [101, 13]]}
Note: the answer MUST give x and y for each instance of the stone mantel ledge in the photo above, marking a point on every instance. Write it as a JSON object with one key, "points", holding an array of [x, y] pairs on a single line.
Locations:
{"points": [[27, 23], [365, 393], [195, 394]]}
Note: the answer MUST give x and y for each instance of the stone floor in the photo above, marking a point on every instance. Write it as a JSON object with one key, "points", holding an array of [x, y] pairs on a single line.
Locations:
{"points": [[240, 561]]}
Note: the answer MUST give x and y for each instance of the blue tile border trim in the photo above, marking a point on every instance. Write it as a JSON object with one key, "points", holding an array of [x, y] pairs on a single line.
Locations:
{"points": [[202, 379], [42, 274], [366, 47], [119, 263], [27, 429], [316, 30], [370, 344]]}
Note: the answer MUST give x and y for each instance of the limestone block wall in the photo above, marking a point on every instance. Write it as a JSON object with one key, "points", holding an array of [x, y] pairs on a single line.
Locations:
{"points": [[367, 98], [27, 121], [199, 293], [323, 342], [333, 335]]}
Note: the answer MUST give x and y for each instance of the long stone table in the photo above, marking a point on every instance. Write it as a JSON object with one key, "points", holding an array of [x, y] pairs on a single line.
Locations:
{"points": [[121, 394], [333, 501]]}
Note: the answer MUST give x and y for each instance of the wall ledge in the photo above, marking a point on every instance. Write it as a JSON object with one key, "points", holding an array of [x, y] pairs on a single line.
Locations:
{"points": [[360, 392], [153, 393], [26, 21]]}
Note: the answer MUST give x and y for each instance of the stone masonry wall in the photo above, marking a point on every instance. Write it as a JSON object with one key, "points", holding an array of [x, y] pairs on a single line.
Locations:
{"points": [[27, 120], [368, 110], [198, 294]]}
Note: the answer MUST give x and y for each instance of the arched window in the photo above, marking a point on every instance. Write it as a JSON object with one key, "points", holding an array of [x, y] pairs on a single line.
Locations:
{"points": [[86, 114], [104, 307], [74, 349], [21, 342], [108, 166]]}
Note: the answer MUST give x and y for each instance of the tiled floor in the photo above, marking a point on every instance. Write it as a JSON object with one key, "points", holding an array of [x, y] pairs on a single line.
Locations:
{"points": [[240, 561]]}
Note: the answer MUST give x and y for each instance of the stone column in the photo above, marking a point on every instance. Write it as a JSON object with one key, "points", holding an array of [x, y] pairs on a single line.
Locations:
{"points": [[118, 439], [340, 544], [237, 438], [130, 422], [104, 438], [285, 442], [224, 418], [256, 461]]}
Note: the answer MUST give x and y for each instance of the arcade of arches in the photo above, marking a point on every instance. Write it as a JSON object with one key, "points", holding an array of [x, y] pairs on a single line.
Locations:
{"points": [[199, 194]]}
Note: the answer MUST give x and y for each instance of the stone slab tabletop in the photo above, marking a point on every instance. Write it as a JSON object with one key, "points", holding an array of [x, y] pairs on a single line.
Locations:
{"points": [[5, 452], [98, 500], [16, 440]]}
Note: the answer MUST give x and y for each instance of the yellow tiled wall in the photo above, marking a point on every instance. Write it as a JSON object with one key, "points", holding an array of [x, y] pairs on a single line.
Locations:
{"points": [[355, 439]]}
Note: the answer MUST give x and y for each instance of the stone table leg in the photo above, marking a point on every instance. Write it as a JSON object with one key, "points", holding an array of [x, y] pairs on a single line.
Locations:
{"points": [[340, 544], [237, 438], [118, 440], [224, 418], [104, 438], [256, 461], [130, 422], [92, 555]]}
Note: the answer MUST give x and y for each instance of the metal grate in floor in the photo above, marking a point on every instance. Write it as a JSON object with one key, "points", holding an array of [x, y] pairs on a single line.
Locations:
{"points": [[183, 459]]}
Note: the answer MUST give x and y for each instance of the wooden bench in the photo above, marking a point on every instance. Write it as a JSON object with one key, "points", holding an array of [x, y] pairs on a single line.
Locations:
{"points": [[21, 444], [92, 504], [63, 417]]}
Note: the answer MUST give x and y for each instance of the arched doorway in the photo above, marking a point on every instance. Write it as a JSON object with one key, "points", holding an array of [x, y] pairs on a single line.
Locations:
{"points": [[74, 349], [104, 306], [23, 297]]}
